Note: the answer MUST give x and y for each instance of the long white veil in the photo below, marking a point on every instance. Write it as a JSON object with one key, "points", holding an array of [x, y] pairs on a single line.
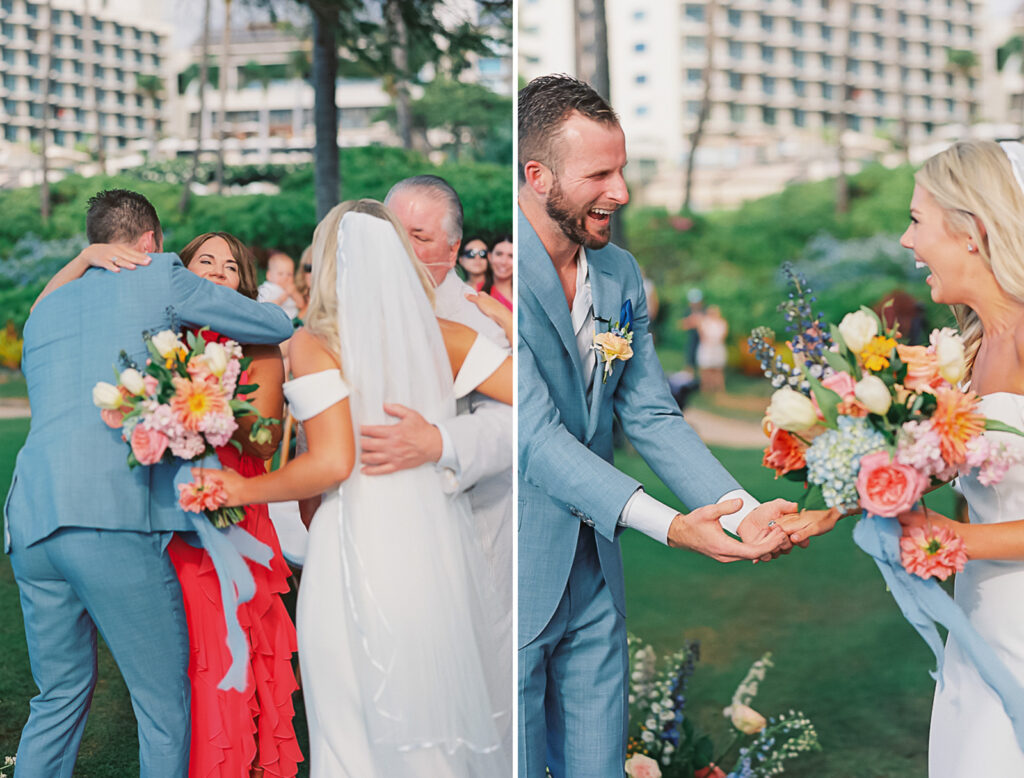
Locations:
{"points": [[416, 587]]}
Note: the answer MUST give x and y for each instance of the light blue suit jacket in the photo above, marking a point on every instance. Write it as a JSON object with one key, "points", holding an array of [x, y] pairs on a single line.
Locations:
{"points": [[566, 473], [73, 469]]}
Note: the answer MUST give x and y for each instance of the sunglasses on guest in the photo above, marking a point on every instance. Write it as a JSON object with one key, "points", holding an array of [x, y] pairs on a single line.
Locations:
{"points": [[470, 253]]}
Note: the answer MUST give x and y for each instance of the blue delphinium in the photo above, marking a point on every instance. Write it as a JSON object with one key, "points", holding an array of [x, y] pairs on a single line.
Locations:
{"points": [[833, 459]]}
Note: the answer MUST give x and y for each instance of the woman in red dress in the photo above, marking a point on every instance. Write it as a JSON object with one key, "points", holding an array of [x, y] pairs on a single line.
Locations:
{"points": [[247, 734]]}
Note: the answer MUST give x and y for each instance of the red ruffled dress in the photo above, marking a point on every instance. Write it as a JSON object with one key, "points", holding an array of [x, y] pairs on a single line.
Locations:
{"points": [[229, 728]]}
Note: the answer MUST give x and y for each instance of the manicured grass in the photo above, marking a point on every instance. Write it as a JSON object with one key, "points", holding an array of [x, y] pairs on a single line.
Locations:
{"points": [[110, 745], [12, 384], [843, 654]]}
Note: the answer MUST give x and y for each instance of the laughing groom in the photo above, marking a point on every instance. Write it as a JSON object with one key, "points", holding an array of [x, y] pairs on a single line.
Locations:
{"points": [[573, 502]]}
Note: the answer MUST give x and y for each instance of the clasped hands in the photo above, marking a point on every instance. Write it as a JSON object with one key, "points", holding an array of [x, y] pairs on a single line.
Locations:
{"points": [[768, 531]]}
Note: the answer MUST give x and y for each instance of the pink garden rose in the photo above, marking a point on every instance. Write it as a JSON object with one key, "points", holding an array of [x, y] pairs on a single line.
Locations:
{"points": [[148, 445], [197, 497], [841, 383], [642, 766], [932, 552], [888, 488]]}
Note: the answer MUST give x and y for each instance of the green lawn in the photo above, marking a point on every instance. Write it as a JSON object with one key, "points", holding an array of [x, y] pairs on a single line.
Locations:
{"points": [[842, 652]]}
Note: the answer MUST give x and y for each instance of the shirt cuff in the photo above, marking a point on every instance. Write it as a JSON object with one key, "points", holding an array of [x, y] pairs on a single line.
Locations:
{"points": [[642, 512], [732, 521], [448, 463]]}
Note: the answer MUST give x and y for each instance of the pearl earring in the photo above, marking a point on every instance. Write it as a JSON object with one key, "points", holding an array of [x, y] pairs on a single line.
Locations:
{"points": [[971, 248]]}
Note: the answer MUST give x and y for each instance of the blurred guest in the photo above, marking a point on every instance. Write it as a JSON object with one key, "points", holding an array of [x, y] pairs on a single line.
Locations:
{"points": [[712, 330], [302, 275], [903, 309], [501, 261], [473, 263], [689, 322], [279, 288]]}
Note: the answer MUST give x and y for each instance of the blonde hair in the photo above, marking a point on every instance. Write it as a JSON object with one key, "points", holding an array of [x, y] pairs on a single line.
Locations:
{"points": [[973, 183], [322, 314]]}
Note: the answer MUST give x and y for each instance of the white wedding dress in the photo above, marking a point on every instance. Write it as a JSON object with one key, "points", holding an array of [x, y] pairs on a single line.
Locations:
{"points": [[400, 671], [970, 731]]}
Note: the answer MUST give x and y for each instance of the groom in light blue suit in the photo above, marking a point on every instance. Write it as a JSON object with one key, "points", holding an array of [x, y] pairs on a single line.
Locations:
{"points": [[86, 536], [573, 502]]}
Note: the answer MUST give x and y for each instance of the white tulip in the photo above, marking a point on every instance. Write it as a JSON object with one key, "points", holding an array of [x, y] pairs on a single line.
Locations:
{"points": [[873, 394], [131, 379], [216, 358], [949, 354], [857, 329], [167, 342], [106, 396], [792, 411]]}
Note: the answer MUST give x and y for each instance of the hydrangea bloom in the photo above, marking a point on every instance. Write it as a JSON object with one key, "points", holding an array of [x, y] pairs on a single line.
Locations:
{"points": [[834, 457]]}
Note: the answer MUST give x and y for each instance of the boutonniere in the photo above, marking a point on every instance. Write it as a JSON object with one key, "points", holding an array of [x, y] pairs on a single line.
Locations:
{"points": [[617, 341]]}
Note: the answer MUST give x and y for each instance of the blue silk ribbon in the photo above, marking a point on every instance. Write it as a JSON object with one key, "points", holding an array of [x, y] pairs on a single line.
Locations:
{"points": [[924, 604], [228, 549]]}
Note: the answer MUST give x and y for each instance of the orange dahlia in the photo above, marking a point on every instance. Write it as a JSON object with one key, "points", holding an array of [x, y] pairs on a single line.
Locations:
{"points": [[194, 399], [956, 421], [875, 355]]}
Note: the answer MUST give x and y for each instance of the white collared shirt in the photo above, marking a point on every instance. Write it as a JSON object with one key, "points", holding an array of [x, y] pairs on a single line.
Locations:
{"points": [[641, 512]]}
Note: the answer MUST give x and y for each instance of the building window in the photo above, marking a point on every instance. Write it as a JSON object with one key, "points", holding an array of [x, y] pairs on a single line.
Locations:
{"points": [[853, 66], [853, 122], [693, 75], [735, 17], [694, 43], [31, 34], [798, 58], [827, 91], [32, 10], [927, 102], [826, 32], [879, 97], [879, 41], [950, 107], [737, 112], [767, 53], [11, 133], [692, 107], [949, 79], [641, 79], [97, 25], [826, 61], [799, 87], [695, 13], [903, 46], [927, 49], [879, 13], [33, 61], [799, 117], [639, 48], [796, 27], [767, 23], [854, 38], [926, 22], [735, 50], [927, 75], [641, 110], [736, 81], [768, 85], [79, 68], [638, 16], [901, 17], [768, 115]]}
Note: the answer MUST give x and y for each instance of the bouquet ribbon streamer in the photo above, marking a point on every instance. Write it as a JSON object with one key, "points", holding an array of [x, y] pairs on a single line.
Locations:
{"points": [[924, 604], [228, 549]]}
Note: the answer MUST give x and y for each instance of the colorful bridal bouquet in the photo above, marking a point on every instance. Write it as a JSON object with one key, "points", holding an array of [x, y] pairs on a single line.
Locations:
{"points": [[181, 406], [866, 421], [665, 741]]}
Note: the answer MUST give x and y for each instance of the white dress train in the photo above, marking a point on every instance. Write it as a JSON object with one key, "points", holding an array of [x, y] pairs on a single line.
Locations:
{"points": [[400, 672], [970, 731]]}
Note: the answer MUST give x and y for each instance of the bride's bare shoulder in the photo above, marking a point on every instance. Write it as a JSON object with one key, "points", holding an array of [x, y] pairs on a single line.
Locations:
{"points": [[308, 353]]}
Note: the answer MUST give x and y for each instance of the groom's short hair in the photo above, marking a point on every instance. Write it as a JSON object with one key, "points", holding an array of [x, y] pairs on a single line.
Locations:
{"points": [[544, 105], [120, 216]]}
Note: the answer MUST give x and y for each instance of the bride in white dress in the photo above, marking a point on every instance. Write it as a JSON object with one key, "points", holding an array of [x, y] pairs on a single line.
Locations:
{"points": [[400, 670], [967, 226]]}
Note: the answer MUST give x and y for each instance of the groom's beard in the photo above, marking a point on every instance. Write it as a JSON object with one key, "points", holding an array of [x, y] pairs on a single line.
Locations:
{"points": [[574, 225]]}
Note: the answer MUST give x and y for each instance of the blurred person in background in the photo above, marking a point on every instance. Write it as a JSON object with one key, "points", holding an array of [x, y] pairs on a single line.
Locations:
{"points": [[279, 288], [473, 263], [712, 331], [502, 261]]}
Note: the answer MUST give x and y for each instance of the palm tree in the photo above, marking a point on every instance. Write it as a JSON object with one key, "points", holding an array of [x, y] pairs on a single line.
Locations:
{"points": [[398, 39], [204, 65], [151, 85], [223, 88], [326, 175], [711, 9], [44, 186], [253, 72], [1014, 47], [963, 62]]}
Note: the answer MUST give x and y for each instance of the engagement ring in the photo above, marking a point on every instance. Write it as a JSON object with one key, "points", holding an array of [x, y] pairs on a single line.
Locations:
{"points": [[772, 523]]}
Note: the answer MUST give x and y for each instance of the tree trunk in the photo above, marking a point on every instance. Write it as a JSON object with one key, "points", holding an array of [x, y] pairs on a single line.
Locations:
{"points": [[711, 9], [842, 183], [399, 39], [44, 185], [225, 53], [892, 10], [326, 177], [204, 68], [602, 77], [90, 56]]}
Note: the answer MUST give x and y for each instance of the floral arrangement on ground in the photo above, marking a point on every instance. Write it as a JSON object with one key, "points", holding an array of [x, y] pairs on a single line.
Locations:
{"points": [[665, 742]]}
